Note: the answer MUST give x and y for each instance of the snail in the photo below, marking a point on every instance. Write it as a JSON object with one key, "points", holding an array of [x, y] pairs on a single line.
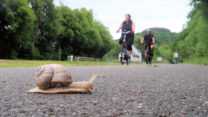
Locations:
{"points": [[54, 78]]}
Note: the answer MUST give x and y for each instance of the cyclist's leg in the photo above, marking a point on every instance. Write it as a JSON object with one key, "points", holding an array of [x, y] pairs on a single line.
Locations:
{"points": [[152, 49], [145, 54], [130, 42], [129, 55], [129, 51], [145, 51], [121, 42]]}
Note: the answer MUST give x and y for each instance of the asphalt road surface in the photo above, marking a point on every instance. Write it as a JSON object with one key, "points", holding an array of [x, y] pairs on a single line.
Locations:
{"points": [[127, 91]]}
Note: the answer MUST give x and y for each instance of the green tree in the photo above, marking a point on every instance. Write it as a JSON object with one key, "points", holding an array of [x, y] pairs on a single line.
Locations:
{"points": [[114, 52], [193, 40], [106, 39], [202, 5], [36, 29], [16, 22], [70, 25], [47, 27], [180, 45], [166, 52], [82, 35]]}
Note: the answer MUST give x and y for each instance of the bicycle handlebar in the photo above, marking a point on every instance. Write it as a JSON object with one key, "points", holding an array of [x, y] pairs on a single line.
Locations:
{"points": [[126, 32]]}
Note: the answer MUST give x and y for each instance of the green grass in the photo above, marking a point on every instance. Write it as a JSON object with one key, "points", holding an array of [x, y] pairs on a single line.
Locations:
{"points": [[201, 61], [35, 63]]}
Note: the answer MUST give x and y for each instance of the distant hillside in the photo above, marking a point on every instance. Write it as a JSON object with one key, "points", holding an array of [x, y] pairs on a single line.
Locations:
{"points": [[162, 35]]}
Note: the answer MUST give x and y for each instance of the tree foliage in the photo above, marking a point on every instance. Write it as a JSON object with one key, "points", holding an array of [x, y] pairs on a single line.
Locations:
{"points": [[37, 29], [16, 22], [85, 36], [193, 40], [166, 52], [47, 27]]}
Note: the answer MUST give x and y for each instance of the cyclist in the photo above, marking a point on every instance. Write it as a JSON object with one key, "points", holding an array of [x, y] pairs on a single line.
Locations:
{"points": [[127, 25], [149, 39]]}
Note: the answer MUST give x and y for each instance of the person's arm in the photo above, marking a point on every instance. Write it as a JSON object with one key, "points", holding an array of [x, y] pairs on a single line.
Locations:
{"points": [[153, 40], [142, 40], [119, 28], [133, 27]]}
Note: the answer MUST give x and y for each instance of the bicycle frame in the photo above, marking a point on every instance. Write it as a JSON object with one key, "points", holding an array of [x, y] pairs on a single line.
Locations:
{"points": [[124, 51], [148, 56]]}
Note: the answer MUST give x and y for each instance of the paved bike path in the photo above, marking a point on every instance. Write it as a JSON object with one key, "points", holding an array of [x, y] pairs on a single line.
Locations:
{"points": [[140, 91]]}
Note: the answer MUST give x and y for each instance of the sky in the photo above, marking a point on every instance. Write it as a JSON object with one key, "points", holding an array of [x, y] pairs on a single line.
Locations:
{"points": [[170, 14]]}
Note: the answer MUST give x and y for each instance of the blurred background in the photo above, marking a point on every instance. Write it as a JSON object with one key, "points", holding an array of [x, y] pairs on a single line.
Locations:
{"points": [[56, 29]]}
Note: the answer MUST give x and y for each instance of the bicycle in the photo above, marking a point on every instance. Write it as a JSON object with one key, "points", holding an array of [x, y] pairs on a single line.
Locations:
{"points": [[148, 57], [124, 52]]}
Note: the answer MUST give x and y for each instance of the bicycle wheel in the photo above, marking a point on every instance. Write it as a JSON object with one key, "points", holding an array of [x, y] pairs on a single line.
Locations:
{"points": [[126, 59], [150, 57], [125, 54], [150, 60], [122, 56], [147, 59], [121, 60]]}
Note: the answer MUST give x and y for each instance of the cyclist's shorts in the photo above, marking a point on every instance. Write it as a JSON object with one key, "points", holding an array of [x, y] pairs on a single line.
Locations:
{"points": [[145, 47], [129, 41]]}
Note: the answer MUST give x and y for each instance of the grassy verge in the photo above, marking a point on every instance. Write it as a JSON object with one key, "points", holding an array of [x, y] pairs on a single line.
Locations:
{"points": [[202, 61], [35, 63]]}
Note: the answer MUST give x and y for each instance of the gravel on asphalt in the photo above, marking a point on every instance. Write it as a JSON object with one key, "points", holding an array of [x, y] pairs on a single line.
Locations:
{"points": [[126, 91]]}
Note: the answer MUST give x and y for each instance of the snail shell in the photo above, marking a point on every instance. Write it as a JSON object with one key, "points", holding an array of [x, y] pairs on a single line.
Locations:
{"points": [[53, 75]]}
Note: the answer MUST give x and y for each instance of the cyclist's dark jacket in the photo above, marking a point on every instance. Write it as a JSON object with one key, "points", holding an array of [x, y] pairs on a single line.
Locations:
{"points": [[148, 38], [128, 27]]}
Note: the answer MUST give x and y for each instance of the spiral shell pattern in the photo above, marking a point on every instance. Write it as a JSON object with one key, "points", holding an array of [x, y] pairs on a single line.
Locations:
{"points": [[49, 76]]}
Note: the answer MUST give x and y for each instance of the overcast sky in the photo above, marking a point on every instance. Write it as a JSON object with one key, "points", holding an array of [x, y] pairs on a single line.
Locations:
{"points": [[169, 14]]}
